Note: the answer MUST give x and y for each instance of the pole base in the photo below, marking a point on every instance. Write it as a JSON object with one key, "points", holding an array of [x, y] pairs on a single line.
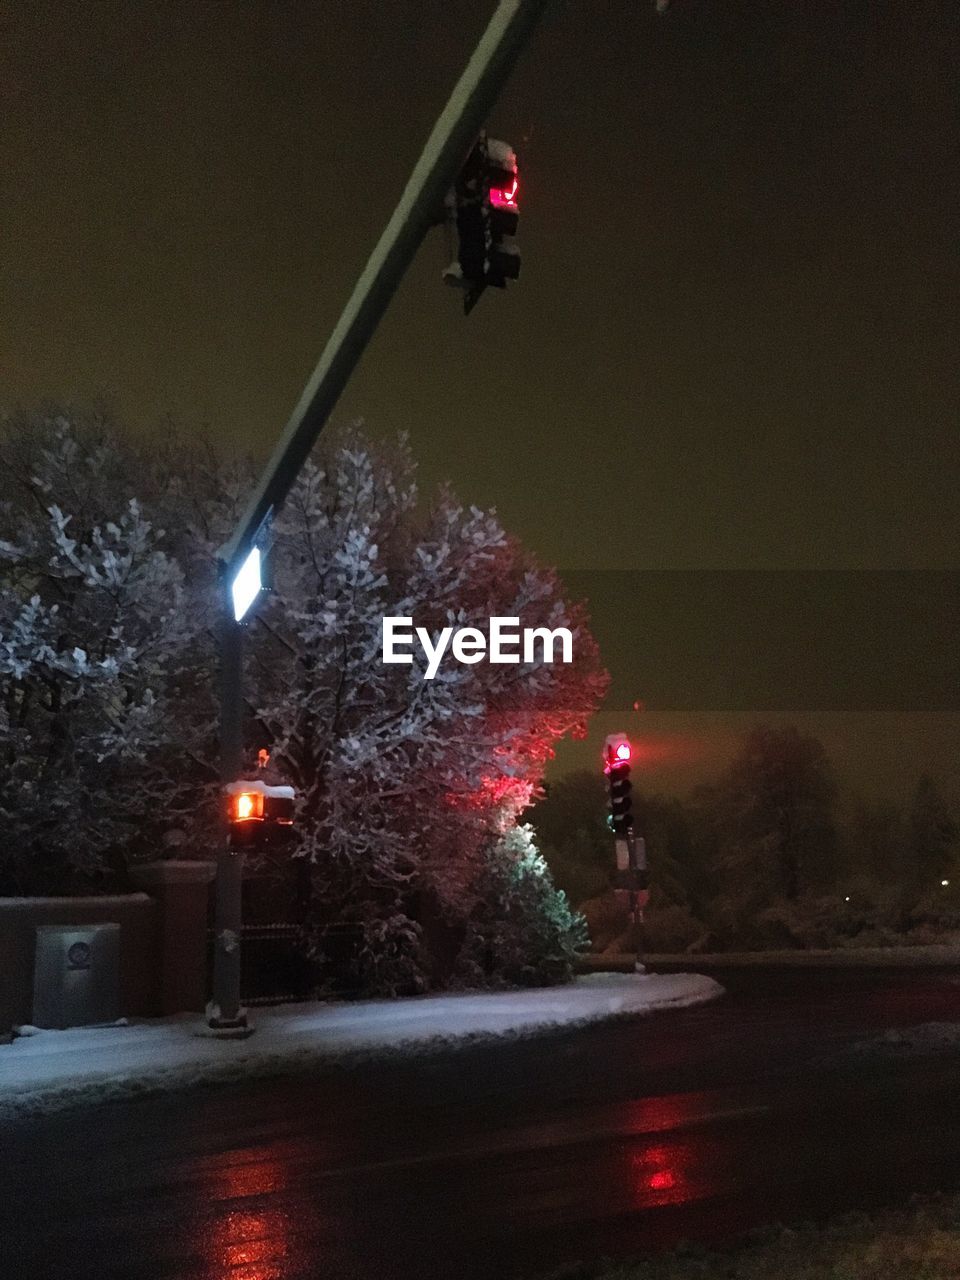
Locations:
{"points": [[208, 1031], [220, 1028]]}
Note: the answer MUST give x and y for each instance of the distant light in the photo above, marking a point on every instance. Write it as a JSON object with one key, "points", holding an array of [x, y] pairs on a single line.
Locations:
{"points": [[246, 585], [847, 898], [945, 883], [623, 751]]}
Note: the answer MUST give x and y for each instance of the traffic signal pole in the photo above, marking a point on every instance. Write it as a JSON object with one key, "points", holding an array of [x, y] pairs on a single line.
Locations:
{"points": [[224, 1014], [637, 852], [630, 850], [450, 141]]}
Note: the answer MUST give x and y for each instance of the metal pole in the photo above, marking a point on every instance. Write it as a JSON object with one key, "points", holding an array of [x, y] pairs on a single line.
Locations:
{"points": [[224, 1012], [638, 894]]}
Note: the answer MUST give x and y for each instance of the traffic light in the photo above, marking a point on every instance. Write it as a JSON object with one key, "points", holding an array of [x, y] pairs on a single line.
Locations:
{"points": [[256, 811], [487, 216], [502, 183], [246, 806], [617, 754]]}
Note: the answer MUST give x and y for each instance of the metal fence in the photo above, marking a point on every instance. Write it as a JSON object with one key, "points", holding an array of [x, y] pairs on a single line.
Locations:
{"points": [[276, 970]]}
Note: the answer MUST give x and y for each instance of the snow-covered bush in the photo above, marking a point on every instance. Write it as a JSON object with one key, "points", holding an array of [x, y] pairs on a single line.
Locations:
{"points": [[371, 953], [520, 931]]}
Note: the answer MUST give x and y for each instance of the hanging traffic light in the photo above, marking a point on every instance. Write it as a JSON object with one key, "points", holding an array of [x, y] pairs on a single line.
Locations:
{"points": [[503, 256], [487, 216], [617, 753]]}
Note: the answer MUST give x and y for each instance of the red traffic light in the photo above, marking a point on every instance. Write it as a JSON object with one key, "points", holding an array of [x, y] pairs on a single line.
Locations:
{"points": [[246, 806], [617, 751], [505, 197], [256, 802]]}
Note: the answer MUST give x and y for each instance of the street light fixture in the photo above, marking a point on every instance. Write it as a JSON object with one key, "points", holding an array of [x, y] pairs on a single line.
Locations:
{"points": [[246, 584]]}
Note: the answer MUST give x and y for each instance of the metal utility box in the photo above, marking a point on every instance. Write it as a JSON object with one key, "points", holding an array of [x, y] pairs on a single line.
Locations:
{"points": [[76, 975]]}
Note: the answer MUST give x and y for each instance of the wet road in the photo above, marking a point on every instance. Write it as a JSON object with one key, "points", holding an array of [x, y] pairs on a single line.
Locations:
{"points": [[501, 1160]]}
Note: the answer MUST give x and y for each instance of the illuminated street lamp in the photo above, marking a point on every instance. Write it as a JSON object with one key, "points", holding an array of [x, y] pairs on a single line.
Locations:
{"points": [[246, 585]]}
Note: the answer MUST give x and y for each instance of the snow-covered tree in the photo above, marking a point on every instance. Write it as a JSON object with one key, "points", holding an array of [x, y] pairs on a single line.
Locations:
{"points": [[774, 813], [933, 836], [93, 636], [404, 781], [520, 930], [107, 674]]}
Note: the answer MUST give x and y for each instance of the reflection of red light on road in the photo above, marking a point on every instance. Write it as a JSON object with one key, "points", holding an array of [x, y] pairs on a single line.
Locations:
{"points": [[245, 1240], [659, 1178], [661, 1113], [238, 1176], [248, 1246]]}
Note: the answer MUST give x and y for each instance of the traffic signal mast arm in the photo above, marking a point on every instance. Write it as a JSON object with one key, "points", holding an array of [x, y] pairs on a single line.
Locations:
{"points": [[453, 136]]}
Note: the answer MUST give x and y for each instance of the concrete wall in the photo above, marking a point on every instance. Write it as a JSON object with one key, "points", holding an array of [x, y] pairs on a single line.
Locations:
{"points": [[181, 890], [163, 940], [136, 913]]}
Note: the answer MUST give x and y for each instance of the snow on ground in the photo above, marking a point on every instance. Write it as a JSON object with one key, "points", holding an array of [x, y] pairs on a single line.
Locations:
{"points": [[908, 1042], [47, 1070]]}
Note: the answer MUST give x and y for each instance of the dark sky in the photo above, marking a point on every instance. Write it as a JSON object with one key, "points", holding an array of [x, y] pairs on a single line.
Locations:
{"points": [[734, 345]]}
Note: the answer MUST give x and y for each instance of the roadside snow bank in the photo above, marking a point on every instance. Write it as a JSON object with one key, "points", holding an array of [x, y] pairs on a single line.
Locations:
{"points": [[916, 1041], [49, 1070]]}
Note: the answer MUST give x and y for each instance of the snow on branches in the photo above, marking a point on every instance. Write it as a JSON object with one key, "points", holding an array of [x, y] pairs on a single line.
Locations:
{"points": [[404, 781], [107, 673], [93, 629]]}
